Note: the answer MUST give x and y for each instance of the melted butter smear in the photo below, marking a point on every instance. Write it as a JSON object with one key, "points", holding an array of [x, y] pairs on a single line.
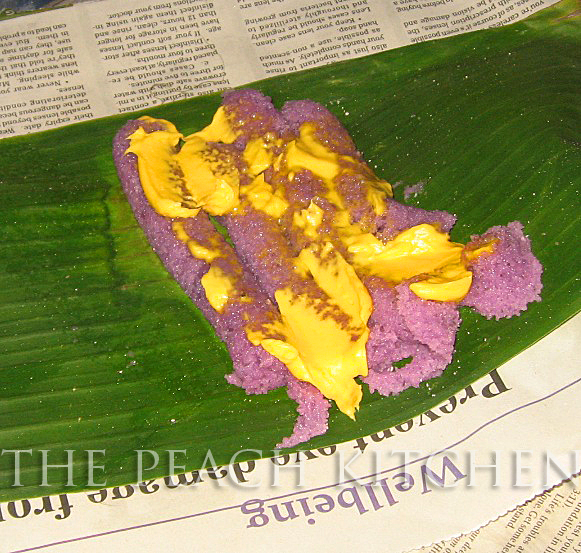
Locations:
{"points": [[179, 182], [219, 288], [320, 341], [261, 196], [197, 250], [318, 348]]}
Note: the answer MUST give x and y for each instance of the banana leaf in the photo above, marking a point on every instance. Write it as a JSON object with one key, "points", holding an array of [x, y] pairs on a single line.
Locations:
{"points": [[101, 350]]}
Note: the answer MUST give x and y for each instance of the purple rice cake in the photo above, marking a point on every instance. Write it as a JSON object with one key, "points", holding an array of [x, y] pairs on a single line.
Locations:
{"points": [[329, 278]]}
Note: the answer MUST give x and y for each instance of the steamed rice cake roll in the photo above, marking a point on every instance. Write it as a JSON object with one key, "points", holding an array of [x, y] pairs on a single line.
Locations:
{"points": [[191, 249], [330, 279]]}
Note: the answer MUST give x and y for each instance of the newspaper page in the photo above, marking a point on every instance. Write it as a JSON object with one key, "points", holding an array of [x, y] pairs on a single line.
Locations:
{"points": [[495, 444], [102, 58], [549, 523]]}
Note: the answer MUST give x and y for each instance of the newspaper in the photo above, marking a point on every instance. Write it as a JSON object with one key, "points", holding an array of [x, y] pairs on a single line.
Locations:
{"points": [[102, 58], [550, 523]]}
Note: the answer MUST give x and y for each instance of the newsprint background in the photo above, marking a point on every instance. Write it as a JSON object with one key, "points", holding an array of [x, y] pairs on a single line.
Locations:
{"points": [[496, 445], [100, 58]]}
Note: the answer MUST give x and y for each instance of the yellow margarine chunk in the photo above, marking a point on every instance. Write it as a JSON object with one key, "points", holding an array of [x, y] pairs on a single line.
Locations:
{"points": [[212, 184], [319, 348], [451, 283], [417, 250], [338, 280], [316, 350], [258, 156], [159, 174], [218, 286], [179, 183], [197, 250], [262, 197], [169, 126], [308, 153], [309, 220], [376, 196], [219, 130], [471, 255]]}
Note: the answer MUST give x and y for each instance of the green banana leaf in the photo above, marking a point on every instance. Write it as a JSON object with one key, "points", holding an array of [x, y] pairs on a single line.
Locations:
{"points": [[101, 350]]}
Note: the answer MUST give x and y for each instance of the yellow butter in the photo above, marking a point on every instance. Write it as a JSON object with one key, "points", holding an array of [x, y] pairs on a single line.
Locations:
{"points": [[219, 130], [258, 156], [309, 220], [451, 283], [308, 153], [210, 181], [376, 192], [419, 249], [197, 250], [318, 348], [262, 197], [338, 280], [159, 174], [218, 287], [168, 125], [180, 183]]}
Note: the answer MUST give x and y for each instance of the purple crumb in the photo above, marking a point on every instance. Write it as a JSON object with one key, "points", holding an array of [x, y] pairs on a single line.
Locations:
{"points": [[404, 326], [413, 190], [313, 411], [505, 281]]}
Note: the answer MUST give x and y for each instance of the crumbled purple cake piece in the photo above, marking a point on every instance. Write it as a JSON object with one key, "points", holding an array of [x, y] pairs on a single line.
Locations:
{"points": [[508, 279], [413, 190], [404, 326], [313, 411]]}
